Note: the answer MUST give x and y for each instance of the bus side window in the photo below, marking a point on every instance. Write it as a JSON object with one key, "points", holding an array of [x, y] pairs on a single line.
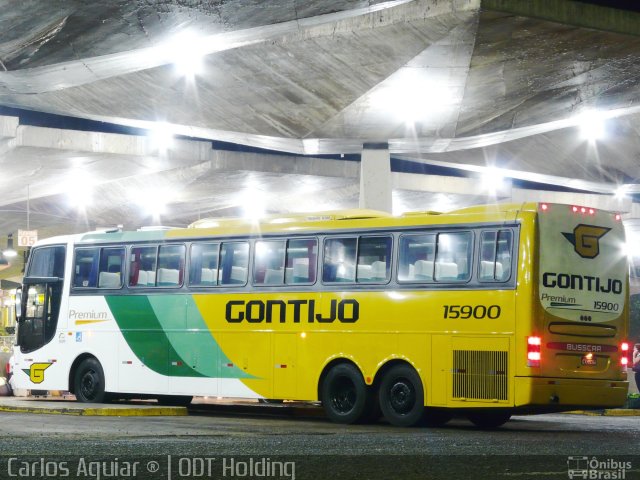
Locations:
{"points": [[234, 262], [301, 261], [170, 271], [111, 266], [268, 262], [203, 264], [339, 264], [453, 257], [495, 256], [374, 259], [416, 260], [142, 269], [85, 273]]}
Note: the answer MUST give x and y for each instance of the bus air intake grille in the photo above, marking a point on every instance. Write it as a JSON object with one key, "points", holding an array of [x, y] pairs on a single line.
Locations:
{"points": [[480, 375]]}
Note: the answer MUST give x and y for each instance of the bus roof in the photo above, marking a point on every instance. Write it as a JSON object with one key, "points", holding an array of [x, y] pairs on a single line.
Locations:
{"points": [[311, 223]]}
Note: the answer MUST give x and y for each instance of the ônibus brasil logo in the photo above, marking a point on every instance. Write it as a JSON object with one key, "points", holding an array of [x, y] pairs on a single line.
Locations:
{"points": [[586, 239]]}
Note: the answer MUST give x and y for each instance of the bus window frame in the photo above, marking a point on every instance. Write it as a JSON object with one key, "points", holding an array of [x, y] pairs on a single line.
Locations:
{"points": [[284, 283], [217, 242], [128, 265], [512, 243], [434, 281], [101, 248], [357, 237], [247, 241], [184, 265]]}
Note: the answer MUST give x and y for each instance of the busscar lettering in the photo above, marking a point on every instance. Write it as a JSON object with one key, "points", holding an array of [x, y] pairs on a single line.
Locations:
{"points": [[581, 282], [278, 311]]}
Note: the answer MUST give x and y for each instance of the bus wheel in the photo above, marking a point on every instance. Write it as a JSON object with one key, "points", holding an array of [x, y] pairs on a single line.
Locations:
{"points": [[175, 400], [89, 382], [489, 419], [437, 417], [402, 396], [344, 394]]}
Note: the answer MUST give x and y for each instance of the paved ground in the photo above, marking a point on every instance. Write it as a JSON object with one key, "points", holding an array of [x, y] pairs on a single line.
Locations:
{"points": [[228, 439]]}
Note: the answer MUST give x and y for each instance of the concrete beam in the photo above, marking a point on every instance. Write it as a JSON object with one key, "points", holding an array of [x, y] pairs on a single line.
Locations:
{"points": [[375, 178], [286, 164], [110, 143]]}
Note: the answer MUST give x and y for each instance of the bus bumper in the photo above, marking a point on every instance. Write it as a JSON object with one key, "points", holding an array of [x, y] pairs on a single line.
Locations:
{"points": [[571, 392]]}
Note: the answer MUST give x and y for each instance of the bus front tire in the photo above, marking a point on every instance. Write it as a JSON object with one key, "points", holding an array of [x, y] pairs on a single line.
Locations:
{"points": [[402, 396], [344, 394], [489, 419], [89, 382]]}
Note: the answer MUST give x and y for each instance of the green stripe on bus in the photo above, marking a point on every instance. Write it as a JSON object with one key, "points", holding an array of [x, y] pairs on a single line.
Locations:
{"points": [[190, 337], [146, 337]]}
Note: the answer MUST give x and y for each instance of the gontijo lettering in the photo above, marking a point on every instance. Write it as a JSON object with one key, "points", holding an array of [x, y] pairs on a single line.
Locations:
{"points": [[581, 282], [257, 311]]}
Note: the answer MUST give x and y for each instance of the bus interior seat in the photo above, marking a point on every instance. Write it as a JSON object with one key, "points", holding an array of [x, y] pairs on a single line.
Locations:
{"points": [[379, 270], [168, 277], [446, 271], [151, 278], [486, 270], [238, 275], [364, 272], [300, 270], [423, 270], [208, 276], [273, 276], [142, 279], [345, 273], [109, 280]]}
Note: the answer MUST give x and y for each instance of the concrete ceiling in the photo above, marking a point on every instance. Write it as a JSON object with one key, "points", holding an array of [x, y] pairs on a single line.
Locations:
{"points": [[448, 84]]}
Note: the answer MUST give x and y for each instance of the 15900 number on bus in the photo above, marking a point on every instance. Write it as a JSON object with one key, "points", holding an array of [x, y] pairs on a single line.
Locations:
{"points": [[471, 311]]}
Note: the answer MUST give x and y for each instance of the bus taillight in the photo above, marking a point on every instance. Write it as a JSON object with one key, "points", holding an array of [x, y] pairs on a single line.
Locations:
{"points": [[533, 351], [624, 358]]}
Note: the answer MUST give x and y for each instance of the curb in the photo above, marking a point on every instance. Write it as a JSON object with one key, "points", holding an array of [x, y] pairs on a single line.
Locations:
{"points": [[610, 412], [99, 411]]}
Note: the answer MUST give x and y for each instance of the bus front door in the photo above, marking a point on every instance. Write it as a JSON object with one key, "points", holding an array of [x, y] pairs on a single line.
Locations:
{"points": [[37, 316]]}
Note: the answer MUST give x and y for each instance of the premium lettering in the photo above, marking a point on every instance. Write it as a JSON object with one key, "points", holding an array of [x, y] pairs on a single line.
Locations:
{"points": [[581, 282], [278, 311]]}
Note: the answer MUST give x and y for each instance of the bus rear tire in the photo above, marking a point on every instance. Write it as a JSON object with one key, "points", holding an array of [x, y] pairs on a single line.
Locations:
{"points": [[402, 396], [489, 419], [89, 382], [344, 394]]}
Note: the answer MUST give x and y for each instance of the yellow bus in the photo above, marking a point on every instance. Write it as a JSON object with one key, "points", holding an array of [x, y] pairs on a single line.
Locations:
{"points": [[484, 311]]}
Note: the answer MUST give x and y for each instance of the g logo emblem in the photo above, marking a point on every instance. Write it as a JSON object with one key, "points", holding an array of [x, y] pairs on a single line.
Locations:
{"points": [[36, 372], [585, 239]]}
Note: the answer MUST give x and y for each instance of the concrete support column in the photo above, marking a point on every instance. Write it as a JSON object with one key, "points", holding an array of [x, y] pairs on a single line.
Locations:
{"points": [[375, 177]]}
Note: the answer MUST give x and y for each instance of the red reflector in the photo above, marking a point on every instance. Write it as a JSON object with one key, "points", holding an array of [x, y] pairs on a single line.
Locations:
{"points": [[618, 216], [533, 351], [592, 211], [544, 207], [574, 209]]}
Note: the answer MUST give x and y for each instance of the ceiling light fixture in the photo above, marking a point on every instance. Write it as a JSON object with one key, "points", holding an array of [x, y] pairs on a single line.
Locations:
{"points": [[592, 125], [9, 252]]}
